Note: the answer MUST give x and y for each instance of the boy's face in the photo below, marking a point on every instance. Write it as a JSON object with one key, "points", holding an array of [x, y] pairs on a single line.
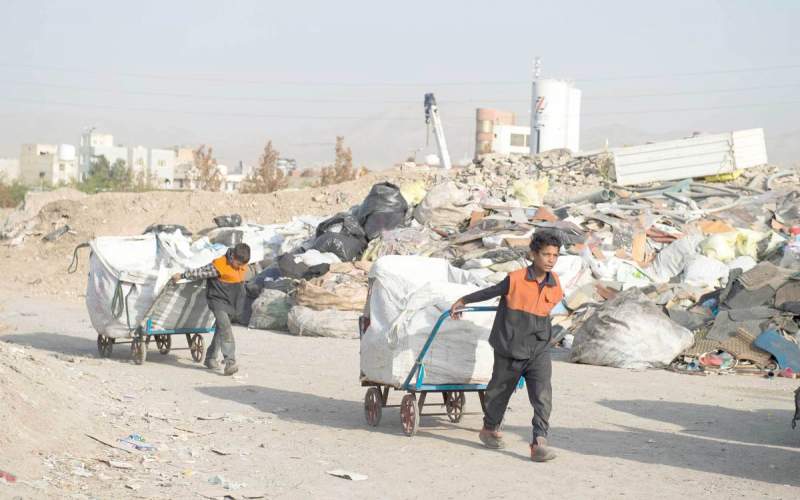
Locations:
{"points": [[545, 259], [236, 263]]}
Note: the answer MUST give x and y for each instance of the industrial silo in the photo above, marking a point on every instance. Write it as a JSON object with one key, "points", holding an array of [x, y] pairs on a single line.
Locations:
{"points": [[555, 116]]}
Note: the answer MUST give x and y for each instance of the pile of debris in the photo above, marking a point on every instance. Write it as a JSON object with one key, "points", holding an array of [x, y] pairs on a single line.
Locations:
{"points": [[526, 179]]}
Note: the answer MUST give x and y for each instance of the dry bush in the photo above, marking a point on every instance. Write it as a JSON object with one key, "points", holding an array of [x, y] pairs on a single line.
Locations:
{"points": [[267, 177], [342, 169], [205, 172]]}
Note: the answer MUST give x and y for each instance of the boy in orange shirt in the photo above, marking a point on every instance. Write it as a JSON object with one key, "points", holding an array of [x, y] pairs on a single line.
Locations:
{"points": [[225, 293], [520, 338]]}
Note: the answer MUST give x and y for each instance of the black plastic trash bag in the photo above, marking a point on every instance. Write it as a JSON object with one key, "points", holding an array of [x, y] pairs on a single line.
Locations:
{"points": [[341, 235], [343, 223], [233, 220], [300, 270], [346, 247], [383, 209]]}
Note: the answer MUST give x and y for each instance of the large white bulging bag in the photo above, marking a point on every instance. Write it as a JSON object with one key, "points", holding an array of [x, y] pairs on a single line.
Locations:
{"points": [[126, 274], [407, 297], [629, 331]]}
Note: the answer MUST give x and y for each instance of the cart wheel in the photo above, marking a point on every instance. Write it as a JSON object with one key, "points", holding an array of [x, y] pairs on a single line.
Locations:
{"points": [[164, 343], [454, 404], [196, 346], [138, 350], [105, 345], [373, 406], [409, 414]]}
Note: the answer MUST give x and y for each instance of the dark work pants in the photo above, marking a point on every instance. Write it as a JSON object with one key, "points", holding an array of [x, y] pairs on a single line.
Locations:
{"points": [[537, 371], [223, 337]]}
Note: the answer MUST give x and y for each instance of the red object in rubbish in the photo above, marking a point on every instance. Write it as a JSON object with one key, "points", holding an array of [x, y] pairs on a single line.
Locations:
{"points": [[787, 373], [710, 360], [8, 477], [795, 230]]}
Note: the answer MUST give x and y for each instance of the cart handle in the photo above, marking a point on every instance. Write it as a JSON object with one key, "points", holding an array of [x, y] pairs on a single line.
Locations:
{"points": [[418, 368]]}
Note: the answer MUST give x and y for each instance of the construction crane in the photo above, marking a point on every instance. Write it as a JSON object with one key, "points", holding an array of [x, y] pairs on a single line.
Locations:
{"points": [[432, 115]]}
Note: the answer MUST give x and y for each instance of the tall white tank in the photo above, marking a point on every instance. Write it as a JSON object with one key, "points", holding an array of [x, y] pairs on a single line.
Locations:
{"points": [[555, 116], [66, 152]]}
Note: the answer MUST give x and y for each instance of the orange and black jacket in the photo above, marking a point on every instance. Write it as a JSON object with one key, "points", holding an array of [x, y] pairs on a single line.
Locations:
{"points": [[225, 284], [523, 317]]}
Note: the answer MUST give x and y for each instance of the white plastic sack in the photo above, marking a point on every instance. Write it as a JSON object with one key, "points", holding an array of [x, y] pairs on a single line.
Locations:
{"points": [[328, 323], [705, 272], [137, 267], [445, 205], [573, 272], [745, 263], [672, 260], [313, 258], [407, 297], [629, 331]]}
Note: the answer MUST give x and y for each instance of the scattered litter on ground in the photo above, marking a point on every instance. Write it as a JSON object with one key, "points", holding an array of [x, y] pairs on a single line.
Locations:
{"points": [[352, 476]]}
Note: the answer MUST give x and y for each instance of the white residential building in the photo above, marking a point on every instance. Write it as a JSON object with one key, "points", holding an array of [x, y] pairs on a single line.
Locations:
{"points": [[48, 163], [9, 170], [162, 164], [86, 149]]}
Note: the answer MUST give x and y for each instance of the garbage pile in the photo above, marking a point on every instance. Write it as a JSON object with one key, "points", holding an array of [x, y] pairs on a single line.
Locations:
{"points": [[526, 179], [698, 275]]}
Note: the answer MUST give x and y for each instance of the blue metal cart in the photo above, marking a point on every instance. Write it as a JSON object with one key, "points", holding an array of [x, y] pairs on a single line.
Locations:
{"points": [[179, 309], [453, 395]]}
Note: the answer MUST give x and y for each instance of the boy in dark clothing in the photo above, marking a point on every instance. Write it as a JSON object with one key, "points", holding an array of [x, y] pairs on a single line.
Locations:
{"points": [[225, 293], [520, 338]]}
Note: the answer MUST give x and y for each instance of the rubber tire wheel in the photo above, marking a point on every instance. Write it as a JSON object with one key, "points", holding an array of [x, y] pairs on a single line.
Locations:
{"points": [[105, 346], [373, 406], [164, 343], [138, 350], [454, 405], [196, 347], [409, 415]]}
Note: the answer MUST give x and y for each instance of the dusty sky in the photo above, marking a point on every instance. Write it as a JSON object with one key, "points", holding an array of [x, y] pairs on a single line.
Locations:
{"points": [[234, 74]]}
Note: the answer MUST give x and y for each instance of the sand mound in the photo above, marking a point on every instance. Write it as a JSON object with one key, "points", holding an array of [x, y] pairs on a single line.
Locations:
{"points": [[39, 267]]}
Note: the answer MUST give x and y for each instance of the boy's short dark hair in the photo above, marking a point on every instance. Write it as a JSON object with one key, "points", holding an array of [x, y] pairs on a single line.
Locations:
{"points": [[241, 252], [543, 239]]}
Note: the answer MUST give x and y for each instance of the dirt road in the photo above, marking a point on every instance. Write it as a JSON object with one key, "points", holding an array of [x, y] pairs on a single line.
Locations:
{"points": [[295, 412]]}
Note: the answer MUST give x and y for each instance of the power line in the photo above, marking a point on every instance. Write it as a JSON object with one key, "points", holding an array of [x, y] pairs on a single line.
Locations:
{"points": [[703, 108], [211, 112], [381, 101], [373, 117], [389, 84]]}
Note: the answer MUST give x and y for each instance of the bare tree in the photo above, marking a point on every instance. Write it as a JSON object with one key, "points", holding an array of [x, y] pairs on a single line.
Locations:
{"points": [[267, 177], [205, 172], [342, 169]]}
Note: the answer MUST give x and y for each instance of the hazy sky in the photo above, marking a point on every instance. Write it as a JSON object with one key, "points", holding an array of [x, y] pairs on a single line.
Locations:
{"points": [[234, 74]]}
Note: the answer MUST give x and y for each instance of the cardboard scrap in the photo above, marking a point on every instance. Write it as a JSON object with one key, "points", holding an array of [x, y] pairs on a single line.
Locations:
{"points": [[476, 217], [714, 226]]}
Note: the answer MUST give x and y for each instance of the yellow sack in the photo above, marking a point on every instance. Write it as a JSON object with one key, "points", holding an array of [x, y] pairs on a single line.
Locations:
{"points": [[720, 246], [727, 246], [723, 177], [413, 192], [529, 192]]}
